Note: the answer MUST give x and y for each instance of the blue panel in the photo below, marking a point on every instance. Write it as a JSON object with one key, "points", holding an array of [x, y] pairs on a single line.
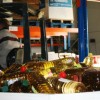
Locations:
{"points": [[60, 3]]}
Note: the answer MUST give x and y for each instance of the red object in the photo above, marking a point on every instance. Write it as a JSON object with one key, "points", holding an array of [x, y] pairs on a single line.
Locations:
{"points": [[75, 78], [62, 75], [78, 3], [23, 69]]}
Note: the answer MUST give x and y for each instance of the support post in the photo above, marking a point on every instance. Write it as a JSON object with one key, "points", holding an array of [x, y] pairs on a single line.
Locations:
{"points": [[81, 30], [26, 34], [44, 54], [86, 38], [51, 43], [65, 43], [68, 41]]}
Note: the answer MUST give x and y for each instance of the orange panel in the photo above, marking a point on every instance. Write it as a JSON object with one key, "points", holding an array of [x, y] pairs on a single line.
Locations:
{"points": [[35, 31], [19, 33], [39, 45]]}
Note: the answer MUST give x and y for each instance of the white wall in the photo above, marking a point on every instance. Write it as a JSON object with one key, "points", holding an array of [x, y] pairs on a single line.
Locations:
{"points": [[94, 26]]}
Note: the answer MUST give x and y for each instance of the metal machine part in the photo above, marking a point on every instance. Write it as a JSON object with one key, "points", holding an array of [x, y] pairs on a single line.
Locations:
{"points": [[15, 56]]}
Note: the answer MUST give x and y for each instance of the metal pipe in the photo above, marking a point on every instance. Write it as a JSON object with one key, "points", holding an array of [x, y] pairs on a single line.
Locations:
{"points": [[68, 43], [85, 28], [51, 44], [65, 43], [44, 54], [81, 31], [26, 34]]}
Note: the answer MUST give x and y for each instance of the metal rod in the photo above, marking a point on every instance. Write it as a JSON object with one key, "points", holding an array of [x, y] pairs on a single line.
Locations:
{"points": [[51, 44], [44, 54], [81, 32], [85, 28], [26, 34], [65, 43], [68, 45]]}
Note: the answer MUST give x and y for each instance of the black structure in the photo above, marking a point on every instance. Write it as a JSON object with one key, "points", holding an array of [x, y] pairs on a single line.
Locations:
{"points": [[44, 54], [26, 34], [21, 9]]}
